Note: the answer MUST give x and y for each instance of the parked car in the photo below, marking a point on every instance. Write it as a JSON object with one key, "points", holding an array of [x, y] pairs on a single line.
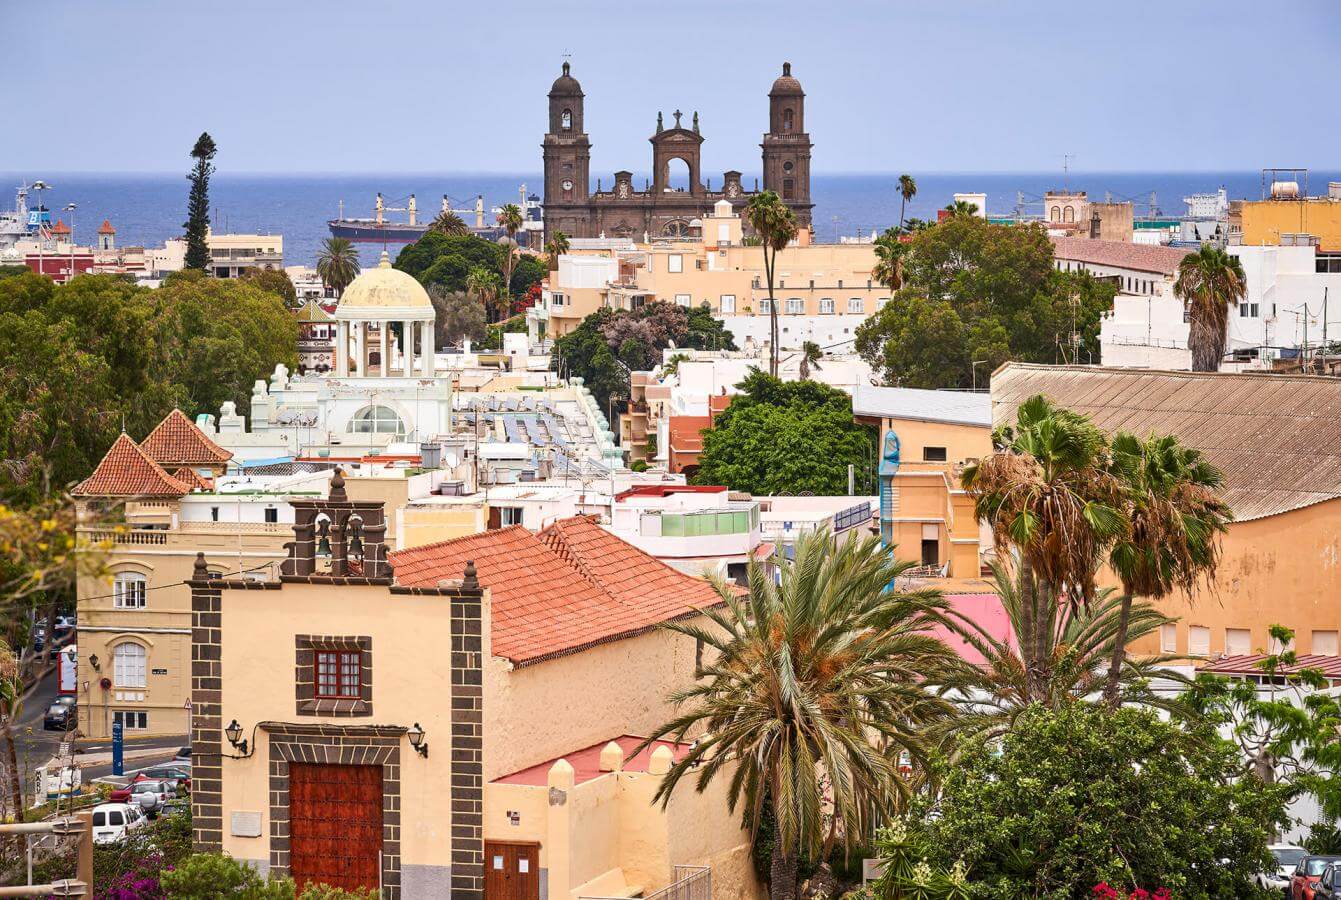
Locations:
{"points": [[113, 821], [39, 639], [141, 785], [180, 774], [1306, 874], [1329, 883], [183, 755], [60, 716], [1287, 857]]}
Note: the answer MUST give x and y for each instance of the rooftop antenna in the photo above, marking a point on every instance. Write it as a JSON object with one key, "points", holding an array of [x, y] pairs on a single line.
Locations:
{"points": [[1066, 170]]}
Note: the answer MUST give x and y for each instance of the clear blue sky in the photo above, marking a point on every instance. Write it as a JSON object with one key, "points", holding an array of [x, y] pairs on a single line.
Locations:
{"points": [[893, 85]]}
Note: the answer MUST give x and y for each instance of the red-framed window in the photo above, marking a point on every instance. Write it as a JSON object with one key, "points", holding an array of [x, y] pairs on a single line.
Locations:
{"points": [[338, 674]]}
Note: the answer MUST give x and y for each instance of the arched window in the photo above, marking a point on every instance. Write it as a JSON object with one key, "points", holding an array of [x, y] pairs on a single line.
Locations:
{"points": [[1056, 214], [788, 189], [128, 590], [788, 119], [1069, 214], [566, 120], [128, 662], [377, 420]]}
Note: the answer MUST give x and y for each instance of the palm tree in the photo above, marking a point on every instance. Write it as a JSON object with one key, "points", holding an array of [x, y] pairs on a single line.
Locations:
{"points": [[338, 263], [774, 224], [1210, 281], [557, 246], [485, 285], [1048, 491], [510, 217], [811, 354], [961, 208], [890, 251], [1176, 516], [1075, 641], [907, 191], [11, 705], [814, 692], [450, 224]]}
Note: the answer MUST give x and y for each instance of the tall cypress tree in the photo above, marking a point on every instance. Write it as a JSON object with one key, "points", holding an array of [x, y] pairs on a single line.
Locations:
{"points": [[198, 207]]}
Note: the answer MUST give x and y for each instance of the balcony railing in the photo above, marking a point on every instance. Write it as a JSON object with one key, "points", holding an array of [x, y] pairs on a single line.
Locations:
{"points": [[691, 883], [128, 537]]}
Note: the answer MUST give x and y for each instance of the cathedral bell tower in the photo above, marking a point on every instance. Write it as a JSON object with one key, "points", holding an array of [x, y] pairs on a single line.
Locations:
{"points": [[787, 146], [567, 156]]}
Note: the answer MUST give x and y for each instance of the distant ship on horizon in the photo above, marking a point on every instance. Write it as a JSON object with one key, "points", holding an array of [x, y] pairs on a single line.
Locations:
{"points": [[381, 230]]}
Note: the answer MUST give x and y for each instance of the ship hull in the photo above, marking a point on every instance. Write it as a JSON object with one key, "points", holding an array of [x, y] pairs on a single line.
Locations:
{"points": [[371, 232]]}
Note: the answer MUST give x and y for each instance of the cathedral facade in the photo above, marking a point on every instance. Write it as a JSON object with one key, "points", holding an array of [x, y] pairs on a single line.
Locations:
{"points": [[660, 211]]}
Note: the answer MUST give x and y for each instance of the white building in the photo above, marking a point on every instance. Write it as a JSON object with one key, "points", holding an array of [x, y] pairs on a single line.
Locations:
{"points": [[697, 530], [230, 254]]}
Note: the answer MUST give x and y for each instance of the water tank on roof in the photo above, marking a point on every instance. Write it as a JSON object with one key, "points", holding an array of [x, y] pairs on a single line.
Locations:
{"points": [[1285, 190]]}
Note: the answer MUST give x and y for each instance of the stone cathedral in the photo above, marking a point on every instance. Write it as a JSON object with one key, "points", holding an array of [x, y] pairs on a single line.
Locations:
{"points": [[660, 210]]}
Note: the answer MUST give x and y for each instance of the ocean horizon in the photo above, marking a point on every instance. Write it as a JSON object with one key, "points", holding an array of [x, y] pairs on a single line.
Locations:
{"points": [[148, 208]]}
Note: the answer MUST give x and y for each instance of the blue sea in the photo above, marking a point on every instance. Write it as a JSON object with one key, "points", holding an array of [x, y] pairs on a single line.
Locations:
{"points": [[148, 209]]}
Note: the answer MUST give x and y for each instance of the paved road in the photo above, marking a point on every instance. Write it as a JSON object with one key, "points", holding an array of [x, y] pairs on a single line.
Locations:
{"points": [[35, 746]]}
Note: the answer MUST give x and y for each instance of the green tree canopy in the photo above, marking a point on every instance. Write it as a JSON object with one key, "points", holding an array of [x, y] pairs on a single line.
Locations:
{"points": [[446, 260], [978, 292], [276, 281], [787, 437]]}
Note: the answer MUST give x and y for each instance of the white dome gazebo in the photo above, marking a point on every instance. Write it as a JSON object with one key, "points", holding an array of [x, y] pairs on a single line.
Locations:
{"points": [[382, 296]]}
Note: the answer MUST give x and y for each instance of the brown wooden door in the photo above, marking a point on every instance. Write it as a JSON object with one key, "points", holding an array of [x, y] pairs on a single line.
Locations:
{"points": [[335, 825], [511, 871]]}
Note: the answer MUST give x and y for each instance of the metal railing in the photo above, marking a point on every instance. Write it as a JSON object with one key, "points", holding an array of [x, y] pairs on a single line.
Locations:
{"points": [[691, 883]]}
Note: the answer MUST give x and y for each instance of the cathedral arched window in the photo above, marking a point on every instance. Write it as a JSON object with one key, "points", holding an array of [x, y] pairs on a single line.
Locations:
{"points": [[788, 119], [1056, 214], [1069, 214], [566, 120], [377, 420], [788, 189]]}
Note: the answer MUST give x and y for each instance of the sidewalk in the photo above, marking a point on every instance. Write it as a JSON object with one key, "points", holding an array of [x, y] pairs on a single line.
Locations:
{"points": [[88, 760]]}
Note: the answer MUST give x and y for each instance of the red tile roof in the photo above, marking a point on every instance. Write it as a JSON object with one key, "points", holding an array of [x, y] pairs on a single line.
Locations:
{"points": [[1119, 254], [586, 762], [1250, 664], [570, 587], [192, 479], [127, 471], [60, 228], [106, 227], [176, 441]]}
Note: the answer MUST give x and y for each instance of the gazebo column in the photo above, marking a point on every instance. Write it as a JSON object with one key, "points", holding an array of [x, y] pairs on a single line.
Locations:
{"points": [[384, 366], [429, 349], [407, 341], [342, 349]]}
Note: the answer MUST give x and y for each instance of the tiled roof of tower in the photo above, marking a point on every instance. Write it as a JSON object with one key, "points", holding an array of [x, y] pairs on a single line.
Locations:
{"points": [[177, 441], [1275, 438], [192, 479], [127, 471], [572, 586]]}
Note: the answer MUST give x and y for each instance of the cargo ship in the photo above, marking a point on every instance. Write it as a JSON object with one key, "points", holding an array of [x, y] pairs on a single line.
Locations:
{"points": [[381, 230]]}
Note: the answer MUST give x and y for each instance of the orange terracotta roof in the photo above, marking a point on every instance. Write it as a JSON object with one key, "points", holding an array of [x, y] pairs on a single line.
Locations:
{"points": [[1120, 254], [176, 441], [106, 227], [572, 586], [193, 479], [127, 471], [60, 228]]}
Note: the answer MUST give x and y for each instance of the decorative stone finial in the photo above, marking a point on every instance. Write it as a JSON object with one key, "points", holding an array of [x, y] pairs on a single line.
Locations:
{"points": [[200, 571], [660, 124], [612, 757], [561, 775], [695, 121], [786, 68], [470, 580], [661, 761], [385, 261], [677, 115], [565, 67], [337, 493]]}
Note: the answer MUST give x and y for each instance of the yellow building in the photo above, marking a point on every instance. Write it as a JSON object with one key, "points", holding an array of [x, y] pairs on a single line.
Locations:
{"points": [[1264, 222], [462, 725], [926, 439], [1275, 439], [823, 290]]}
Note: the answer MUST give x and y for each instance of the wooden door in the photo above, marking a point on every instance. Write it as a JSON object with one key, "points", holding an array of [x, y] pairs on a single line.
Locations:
{"points": [[511, 871], [335, 825]]}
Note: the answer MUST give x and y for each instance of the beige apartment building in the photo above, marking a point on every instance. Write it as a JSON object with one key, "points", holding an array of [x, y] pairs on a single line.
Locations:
{"points": [[824, 291]]}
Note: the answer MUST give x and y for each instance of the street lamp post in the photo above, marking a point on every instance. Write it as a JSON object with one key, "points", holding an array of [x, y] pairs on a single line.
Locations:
{"points": [[70, 208], [38, 187]]}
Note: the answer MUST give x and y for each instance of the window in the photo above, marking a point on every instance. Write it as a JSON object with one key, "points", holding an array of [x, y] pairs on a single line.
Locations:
{"points": [[1274, 646], [795, 306], [788, 189], [1199, 641], [727, 303], [1168, 638], [1069, 214], [674, 263], [214, 513], [1248, 310], [128, 665], [556, 299], [377, 420], [683, 300], [566, 120], [1055, 214], [788, 119], [128, 590], [765, 307], [855, 306], [509, 515], [130, 719], [1238, 641], [1325, 643], [826, 306], [338, 674], [933, 454], [271, 514]]}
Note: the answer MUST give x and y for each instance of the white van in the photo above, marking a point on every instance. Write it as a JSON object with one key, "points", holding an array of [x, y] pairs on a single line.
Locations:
{"points": [[113, 821]]}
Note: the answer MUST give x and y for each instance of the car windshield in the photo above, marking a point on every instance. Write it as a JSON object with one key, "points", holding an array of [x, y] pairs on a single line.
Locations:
{"points": [[152, 787], [1288, 857], [56, 709], [1317, 863]]}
